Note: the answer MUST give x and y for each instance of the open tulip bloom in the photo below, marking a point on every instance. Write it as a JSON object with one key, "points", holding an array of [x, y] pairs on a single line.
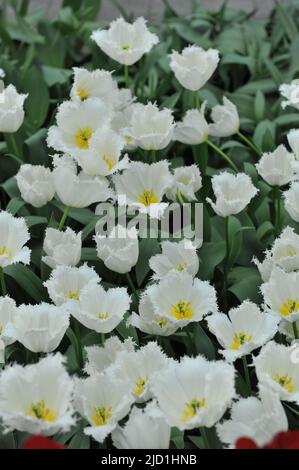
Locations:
{"points": [[100, 358]]}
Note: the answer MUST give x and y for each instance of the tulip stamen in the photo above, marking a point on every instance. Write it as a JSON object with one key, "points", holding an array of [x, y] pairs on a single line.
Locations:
{"points": [[39, 410], [102, 415], [182, 310], [82, 138]]}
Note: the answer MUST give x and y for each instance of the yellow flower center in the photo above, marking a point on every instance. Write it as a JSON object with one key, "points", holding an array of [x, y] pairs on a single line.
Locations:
{"points": [[4, 251], [181, 310], [285, 381], [103, 316], [181, 266], [82, 137], [139, 386], [148, 197], [72, 295], [109, 162], [102, 415], [128, 139], [239, 339], [191, 409], [126, 47], [162, 322], [290, 306], [83, 95], [40, 411]]}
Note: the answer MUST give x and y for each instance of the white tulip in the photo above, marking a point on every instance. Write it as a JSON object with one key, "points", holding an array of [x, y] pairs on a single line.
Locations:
{"points": [[94, 84], [62, 247], [281, 294], [194, 392], [293, 140], [8, 311], [194, 66], [193, 129], [37, 398], [276, 370], [101, 358], [121, 122], [233, 193], [290, 91], [66, 283], [35, 184], [226, 119], [284, 254], [125, 42], [143, 186], [176, 256], [102, 400], [149, 321], [151, 128], [291, 201], [41, 327], [140, 367], [145, 429], [277, 168], [76, 123], [186, 182], [102, 310], [180, 299], [13, 236], [81, 189], [11, 108], [119, 250], [259, 419], [103, 159], [245, 329]]}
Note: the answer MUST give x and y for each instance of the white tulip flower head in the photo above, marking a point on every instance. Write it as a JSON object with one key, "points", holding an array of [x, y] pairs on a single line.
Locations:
{"points": [[35, 184], [8, 312], [11, 109], [277, 168], [62, 247], [176, 256], [13, 236], [125, 42], [37, 398], [193, 129], [94, 84], [186, 182], [290, 91], [145, 429], [233, 193], [293, 140], [194, 392], [245, 329], [194, 66], [226, 119], [291, 201]]}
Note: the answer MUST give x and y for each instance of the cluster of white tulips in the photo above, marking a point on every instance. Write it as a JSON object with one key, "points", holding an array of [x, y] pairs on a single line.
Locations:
{"points": [[95, 136]]}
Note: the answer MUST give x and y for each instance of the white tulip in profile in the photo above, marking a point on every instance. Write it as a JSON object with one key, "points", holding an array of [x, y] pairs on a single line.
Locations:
{"points": [[143, 186], [125, 42], [151, 128], [175, 256], [35, 184], [81, 189], [13, 236], [119, 250], [186, 182], [226, 119], [139, 368], [193, 129], [62, 247], [102, 400], [291, 201], [41, 327], [145, 429], [194, 66], [293, 140], [290, 91], [257, 418], [277, 168], [194, 392], [11, 108], [276, 370], [45, 404], [245, 329], [101, 358], [8, 311], [233, 193], [102, 310], [180, 299]]}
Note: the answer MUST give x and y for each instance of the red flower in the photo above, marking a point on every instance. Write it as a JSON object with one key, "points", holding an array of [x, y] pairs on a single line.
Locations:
{"points": [[41, 442], [282, 440]]}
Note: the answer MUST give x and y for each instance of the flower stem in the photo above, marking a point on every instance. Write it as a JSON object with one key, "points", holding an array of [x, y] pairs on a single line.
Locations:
{"points": [[126, 74], [131, 284], [196, 100], [224, 155], [154, 156], [179, 198], [2, 282], [249, 143], [295, 330], [246, 373], [12, 144], [204, 436], [80, 351], [225, 270], [103, 338], [64, 217]]}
